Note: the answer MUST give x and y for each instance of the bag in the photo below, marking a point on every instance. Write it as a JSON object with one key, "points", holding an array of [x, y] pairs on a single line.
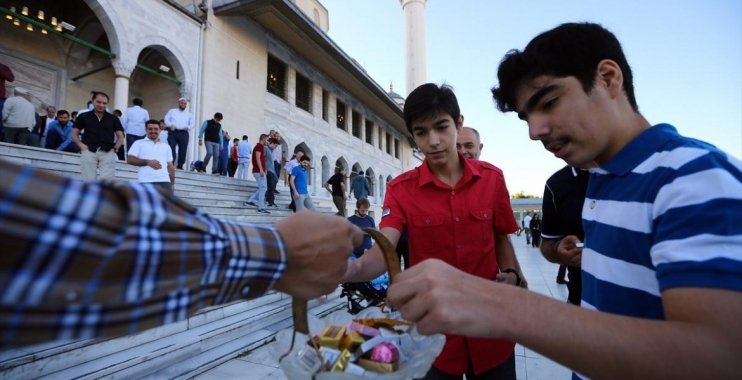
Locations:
{"points": [[301, 360]]}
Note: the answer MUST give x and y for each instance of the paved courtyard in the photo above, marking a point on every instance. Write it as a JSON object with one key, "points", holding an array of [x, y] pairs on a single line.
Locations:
{"points": [[262, 363]]}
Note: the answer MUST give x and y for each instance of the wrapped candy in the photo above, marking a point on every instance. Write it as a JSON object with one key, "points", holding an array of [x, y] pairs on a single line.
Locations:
{"points": [[385, 353]]}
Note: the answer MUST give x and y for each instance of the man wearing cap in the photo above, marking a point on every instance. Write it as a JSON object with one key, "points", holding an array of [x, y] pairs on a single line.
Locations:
{"points": [[179, 122], [19, 116]]}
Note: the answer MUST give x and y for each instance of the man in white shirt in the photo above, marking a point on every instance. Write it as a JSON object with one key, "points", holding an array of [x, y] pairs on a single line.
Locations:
{"points": [[133, 121], [19, 116], [179, 121], [154, 157], [244, 151]]}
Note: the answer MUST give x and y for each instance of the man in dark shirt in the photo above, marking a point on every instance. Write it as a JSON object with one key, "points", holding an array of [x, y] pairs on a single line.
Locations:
{"points": [[98, 148], [336, 186], [561, 228]]}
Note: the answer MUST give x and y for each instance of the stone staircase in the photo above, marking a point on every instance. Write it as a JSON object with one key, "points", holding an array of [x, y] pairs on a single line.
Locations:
{"points": [[178, 350]]}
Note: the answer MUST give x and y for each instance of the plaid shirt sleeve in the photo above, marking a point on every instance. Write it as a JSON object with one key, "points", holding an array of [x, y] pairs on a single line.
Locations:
{"points": [[83, 260]]}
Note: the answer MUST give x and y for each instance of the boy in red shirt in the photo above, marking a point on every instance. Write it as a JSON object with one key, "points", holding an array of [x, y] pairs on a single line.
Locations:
{"points": [[455, 210]]}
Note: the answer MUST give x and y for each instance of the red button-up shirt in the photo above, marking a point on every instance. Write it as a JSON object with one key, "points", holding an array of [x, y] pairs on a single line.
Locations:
{"points": [[457, 225]]}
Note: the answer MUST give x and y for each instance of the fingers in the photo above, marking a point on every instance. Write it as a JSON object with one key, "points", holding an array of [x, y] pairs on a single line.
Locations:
{"points": [[317, 247]]}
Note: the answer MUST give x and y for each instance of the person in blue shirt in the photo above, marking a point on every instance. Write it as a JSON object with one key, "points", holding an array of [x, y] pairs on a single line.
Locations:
{"points": [[59, 134], [363, 220], [300, 191], [359, 186]]}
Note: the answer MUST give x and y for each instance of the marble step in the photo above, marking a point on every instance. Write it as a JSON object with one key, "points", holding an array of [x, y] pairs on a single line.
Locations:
{"points": [[202, 342]]}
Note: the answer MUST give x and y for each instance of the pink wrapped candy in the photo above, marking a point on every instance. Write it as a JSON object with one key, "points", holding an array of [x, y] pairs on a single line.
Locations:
{"points": [[385, 352]]}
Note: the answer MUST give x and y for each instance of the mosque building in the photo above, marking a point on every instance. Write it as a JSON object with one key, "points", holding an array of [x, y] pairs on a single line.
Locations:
{"points": [[264, 64]]}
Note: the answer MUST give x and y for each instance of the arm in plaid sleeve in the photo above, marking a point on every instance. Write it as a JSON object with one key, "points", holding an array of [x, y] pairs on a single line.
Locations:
{"points": [[82, 260]]}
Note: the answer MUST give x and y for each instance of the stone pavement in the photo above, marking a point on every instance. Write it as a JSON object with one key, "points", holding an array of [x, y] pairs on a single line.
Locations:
{"points": [[262, 364]]}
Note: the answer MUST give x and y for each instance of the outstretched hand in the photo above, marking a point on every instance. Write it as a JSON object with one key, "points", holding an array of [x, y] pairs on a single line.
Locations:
{"points": [[442, 299], [317, 247]]}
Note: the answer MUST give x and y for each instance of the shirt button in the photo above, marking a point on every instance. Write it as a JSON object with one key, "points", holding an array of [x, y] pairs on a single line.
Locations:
{"points": [[456, 219], [427, 221], [459, 246], [592, 205], [453, 192]]}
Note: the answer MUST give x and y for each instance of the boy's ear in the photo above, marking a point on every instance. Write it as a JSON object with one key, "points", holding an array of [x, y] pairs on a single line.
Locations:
{"points": [[609, 75], [460, 122]]}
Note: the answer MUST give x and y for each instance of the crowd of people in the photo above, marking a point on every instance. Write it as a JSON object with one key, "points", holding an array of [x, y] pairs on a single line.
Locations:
{"points": [[660, 257]]}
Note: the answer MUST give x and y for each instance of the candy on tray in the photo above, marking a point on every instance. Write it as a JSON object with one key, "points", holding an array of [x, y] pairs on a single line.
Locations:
{"points": [[331, 336], [363, 329], [385, 352], [370, 365], [351, 341], [342, 361]]}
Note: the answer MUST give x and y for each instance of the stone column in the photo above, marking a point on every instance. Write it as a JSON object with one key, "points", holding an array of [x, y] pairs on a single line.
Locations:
{"points": [[415, 55], [121, 85]]}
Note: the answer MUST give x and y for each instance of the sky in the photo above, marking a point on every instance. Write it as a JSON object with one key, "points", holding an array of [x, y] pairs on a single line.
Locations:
{"points": [[686, 56]]}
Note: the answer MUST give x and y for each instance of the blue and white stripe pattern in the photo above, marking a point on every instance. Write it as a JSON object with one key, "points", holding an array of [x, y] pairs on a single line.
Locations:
{"points": [[665, 212]]}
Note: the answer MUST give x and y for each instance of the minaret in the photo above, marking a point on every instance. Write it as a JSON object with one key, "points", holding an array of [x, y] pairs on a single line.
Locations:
{"points": [[415, 56]]}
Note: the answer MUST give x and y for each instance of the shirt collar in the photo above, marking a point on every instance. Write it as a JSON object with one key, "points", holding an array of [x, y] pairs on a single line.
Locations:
{"points": [[470, 171], [638, 150]]}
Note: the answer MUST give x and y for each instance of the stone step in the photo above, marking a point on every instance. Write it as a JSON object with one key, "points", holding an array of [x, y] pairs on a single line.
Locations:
{"points": [[180, 349], [177, 350]]}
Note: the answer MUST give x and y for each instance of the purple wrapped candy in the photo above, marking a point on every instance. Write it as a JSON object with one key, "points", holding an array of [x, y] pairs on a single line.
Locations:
{"points": [[385, 352]]}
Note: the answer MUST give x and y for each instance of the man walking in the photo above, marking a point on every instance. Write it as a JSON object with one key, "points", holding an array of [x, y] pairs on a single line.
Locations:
{"points": [[299, 184], [154, 158], [244, 152], [360, 186], [98, 147], [179, 121], [258, 171], [211, 132], [270, 173], [336, 186]]}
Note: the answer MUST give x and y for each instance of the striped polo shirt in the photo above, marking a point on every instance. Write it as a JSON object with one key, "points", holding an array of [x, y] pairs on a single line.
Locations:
{"points": [[665, 212]]}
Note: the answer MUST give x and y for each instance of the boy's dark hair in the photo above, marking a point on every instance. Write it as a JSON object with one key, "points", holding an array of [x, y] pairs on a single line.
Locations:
{"points": [[304, 158], [62, 112], [429, 99], [236, 140], [244, 137], [138, 102], [572, 49], [152, 121], [272, 141], [360, 172], [219, 116]]}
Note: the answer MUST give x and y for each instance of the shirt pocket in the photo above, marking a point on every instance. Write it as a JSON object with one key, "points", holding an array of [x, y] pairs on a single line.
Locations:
{"points": [[428, 236], [486, 221]]}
